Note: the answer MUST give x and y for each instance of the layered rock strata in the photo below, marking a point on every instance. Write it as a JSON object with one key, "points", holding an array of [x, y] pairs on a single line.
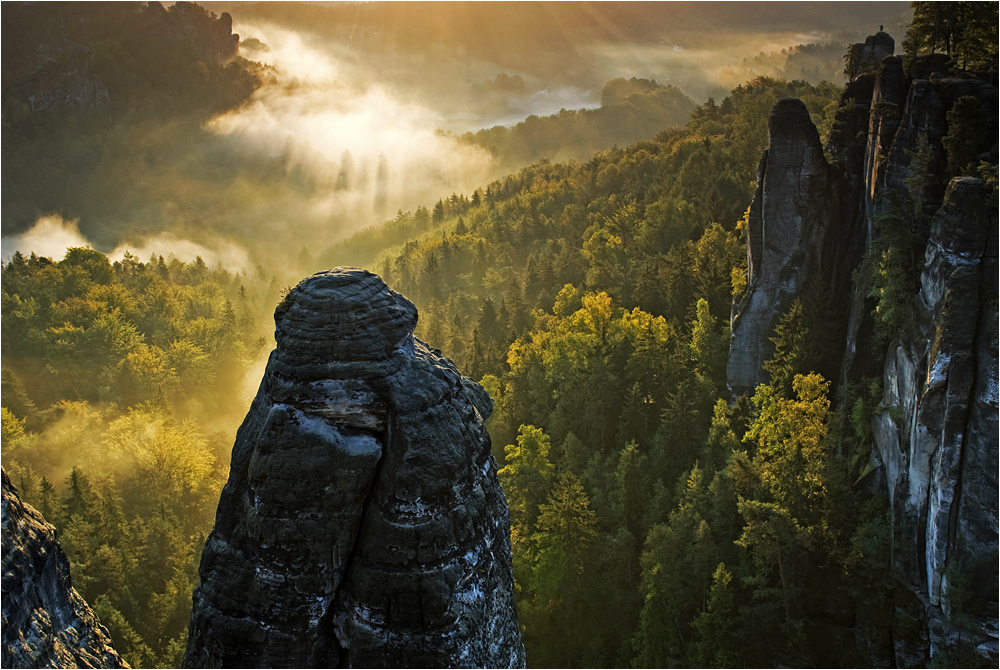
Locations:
{"points": [[363, 523], [46, 624]]}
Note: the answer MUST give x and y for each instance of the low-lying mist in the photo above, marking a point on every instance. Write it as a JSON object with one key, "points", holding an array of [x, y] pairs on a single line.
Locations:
{"points": [[362, 107], [368, 151]]}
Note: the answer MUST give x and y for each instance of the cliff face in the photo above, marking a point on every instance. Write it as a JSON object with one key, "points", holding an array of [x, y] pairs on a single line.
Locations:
{"points": [[935, 450], [936, 436], [800, 234], [46, 624], [363, 523]]}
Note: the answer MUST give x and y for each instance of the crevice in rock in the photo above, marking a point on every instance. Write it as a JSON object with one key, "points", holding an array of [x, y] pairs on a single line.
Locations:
{"points": [[352, 558]]}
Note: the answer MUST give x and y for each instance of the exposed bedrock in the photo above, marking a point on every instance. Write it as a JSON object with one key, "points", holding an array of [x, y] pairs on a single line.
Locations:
{"points": [[363, 523], [935, 434], [800, 232], [46, 624], [936, 438]]}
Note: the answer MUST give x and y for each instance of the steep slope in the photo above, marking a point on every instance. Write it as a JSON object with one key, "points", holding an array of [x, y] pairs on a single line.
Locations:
{"points": [[363, 523], [46, 624], [935, 450]]}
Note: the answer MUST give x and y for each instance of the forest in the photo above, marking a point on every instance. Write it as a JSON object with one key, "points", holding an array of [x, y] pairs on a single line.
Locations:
{"points": [[655, 521]]}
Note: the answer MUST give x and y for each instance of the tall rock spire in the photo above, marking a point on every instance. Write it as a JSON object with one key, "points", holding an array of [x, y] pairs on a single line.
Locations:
{"points": [[363, 523], [797, 236]]}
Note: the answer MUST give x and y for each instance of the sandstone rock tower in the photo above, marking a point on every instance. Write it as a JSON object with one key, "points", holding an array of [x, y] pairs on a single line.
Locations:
{"points": [[363, 523]]}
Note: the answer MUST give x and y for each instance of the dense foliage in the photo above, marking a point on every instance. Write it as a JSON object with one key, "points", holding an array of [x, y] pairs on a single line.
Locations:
{"points": [[121, 386], [966, 31], [652, 522]]}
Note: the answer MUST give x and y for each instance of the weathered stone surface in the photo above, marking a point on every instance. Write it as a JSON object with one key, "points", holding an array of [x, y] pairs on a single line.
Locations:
{"points": [[886, 111], [937, 436], [796, 235], [867, 56], [935, 442], [850, 125], [46, 624], [363, 523]]}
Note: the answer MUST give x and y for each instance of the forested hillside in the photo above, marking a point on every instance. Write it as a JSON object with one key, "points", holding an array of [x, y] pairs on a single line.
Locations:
{"points": [[591, 299], [122, 385], [652, 523], [655, 520], [631, 109]]}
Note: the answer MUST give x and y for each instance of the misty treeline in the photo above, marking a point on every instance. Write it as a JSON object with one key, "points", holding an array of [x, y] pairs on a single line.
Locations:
{"points": [[145, 159], [122, 385], [631, 109], [653, 523]]}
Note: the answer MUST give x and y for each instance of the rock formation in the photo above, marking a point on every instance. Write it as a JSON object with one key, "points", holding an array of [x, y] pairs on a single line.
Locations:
{"points": [[866, 56], [46, 624], [796, 236], [936, 436], [935, 451], [363, 523]]}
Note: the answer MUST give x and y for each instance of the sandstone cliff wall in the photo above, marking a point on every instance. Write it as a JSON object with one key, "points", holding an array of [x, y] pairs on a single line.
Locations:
{"points": [[935, 453]]}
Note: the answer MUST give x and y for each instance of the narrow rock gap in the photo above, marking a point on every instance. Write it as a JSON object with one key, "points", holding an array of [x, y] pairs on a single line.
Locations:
{"points": [[327, 624]]}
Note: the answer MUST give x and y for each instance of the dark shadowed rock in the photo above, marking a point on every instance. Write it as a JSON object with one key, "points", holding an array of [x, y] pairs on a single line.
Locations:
{"points": [[46, 624], [923, 67], [937, 437], [363, 523], [867, 56], [850, 125], [887, 108], [799, 232]]}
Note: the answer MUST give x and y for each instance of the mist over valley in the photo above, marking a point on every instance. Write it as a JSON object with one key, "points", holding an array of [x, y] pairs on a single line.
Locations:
{"points": [[358, 112]]}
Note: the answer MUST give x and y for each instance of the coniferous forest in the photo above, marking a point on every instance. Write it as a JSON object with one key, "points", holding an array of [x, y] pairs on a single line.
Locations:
{"points": [[587, 283]]}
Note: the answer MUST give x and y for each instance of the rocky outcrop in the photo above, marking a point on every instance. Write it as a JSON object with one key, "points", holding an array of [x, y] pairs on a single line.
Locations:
{"points": [[936, 436], [935, 446], [886, 111], [67, 83], [212, 37], [796, 236], [865, 57], [46, 624], [363, 523]]}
